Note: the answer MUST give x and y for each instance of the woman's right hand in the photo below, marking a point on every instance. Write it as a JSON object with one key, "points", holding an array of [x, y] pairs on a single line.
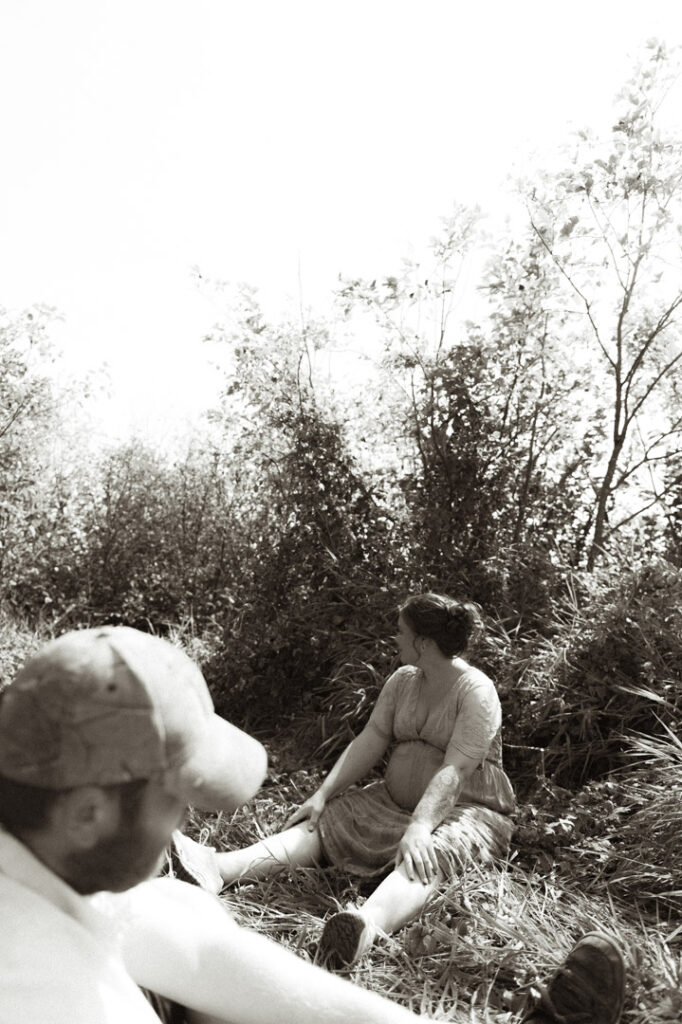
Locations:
{"points": [[311, 809]]}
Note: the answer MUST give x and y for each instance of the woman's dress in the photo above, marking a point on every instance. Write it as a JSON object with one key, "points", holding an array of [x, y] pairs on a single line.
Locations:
{"points": [[360, 830]]}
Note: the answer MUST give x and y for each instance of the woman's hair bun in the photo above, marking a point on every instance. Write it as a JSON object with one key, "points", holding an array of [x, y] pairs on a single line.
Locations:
{"points": [[463, 611], [448, 621]]}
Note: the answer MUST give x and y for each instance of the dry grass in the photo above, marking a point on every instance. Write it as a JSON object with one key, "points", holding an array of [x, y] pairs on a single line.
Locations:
{"points": [[647, 861], [606, 856], [477, 950]]}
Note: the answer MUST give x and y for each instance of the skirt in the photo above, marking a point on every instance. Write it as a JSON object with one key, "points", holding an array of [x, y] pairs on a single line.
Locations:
{"points": [[360, 832]]}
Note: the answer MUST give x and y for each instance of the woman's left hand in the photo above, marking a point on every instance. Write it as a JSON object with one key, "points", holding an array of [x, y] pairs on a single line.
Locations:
{"points": [[417, 851]]}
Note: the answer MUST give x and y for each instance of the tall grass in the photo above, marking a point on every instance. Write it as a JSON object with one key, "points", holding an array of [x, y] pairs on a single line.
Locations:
{"points": [[601, 854], [482, 945], [609, 666]]}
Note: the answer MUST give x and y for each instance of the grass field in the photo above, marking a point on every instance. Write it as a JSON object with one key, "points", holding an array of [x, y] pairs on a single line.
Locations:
{"points": [[607, 856], [478, 949]]}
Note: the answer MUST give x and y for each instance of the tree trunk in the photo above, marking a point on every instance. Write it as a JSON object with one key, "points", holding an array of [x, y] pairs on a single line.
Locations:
{"points": [[605, 491]]}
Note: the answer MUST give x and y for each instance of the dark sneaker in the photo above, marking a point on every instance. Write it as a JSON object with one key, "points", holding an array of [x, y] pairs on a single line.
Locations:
{"points": [[195, 863], [588, 988], [344, 938]]}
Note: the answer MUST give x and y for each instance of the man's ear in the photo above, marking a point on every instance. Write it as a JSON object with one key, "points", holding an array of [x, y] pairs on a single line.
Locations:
{"points": [[88, 814]]}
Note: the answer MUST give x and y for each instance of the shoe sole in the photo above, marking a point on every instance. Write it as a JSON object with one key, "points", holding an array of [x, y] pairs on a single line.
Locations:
{"points": [[184, 872], [340, 939]]}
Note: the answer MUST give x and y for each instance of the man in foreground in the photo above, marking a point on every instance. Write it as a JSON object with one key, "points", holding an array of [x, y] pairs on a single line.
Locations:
{"points": [[106, 737]]}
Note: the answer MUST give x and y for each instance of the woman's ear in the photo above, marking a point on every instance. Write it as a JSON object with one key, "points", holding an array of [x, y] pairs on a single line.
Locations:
{"points": [[88, 814]]}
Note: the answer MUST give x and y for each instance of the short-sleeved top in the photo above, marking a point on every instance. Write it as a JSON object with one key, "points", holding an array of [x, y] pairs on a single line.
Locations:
{"points": [[468, 720]]}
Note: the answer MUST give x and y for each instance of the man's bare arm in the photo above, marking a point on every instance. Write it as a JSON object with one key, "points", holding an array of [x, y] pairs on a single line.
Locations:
{"points": [[181, 943]]}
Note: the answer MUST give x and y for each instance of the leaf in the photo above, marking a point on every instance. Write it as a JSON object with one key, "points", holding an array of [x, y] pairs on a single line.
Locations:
{"points": [[568, 227]]}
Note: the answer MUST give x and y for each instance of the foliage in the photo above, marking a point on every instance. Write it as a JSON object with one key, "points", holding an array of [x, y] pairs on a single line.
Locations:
{"points": [[27, 416], [316, 575], [609, 222], [156, 536], [17, 643], [614, 670]]}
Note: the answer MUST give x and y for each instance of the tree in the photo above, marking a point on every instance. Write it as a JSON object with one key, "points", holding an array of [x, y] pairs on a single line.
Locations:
{"points": [[312, 583], [482, 414], [28, 411], [610, 222]]}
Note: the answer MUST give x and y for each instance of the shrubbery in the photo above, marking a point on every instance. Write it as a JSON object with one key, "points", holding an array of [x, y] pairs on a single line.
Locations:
{"points": [[612, 670], [466, 459]]}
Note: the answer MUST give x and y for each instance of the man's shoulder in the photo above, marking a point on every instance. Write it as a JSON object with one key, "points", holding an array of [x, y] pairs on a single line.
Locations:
{"points": [[24, 913], [53, 968]]}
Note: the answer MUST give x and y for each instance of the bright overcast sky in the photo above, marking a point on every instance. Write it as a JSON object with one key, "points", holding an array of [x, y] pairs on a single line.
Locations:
{"points": [[141, 138]]}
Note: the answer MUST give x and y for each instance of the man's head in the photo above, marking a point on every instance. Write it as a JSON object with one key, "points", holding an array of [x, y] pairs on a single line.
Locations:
{"points": [[106, 736]]}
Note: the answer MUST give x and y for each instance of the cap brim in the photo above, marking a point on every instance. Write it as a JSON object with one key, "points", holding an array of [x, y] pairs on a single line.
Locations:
{"points": [[225, 770]]}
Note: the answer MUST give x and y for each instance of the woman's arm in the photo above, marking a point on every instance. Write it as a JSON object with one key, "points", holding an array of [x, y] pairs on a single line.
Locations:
{"points": [[359, 756], [440, 796], [356, 760], [442, 792]]}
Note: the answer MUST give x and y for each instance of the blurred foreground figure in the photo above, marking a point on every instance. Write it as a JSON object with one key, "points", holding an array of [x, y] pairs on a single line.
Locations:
{"points": [[106, 736]]}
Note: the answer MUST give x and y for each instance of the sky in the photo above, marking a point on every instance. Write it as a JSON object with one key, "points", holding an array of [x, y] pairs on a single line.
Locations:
{"points": [[279, 143]]}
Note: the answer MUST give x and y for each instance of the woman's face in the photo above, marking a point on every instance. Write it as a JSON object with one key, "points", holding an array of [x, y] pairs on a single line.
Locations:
{"points": [[405, 639]]}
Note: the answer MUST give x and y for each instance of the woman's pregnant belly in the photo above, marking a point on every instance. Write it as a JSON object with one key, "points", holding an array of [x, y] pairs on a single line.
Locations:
{"points": [[411, 767]]}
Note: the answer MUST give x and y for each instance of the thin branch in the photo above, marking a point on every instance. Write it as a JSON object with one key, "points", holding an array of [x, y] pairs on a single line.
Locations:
{"points": [[604, 234], [647, 460], [664, 321], [304, 330], [648, 447], [654, 384], [583, 298], [628, 519], [7, 426]]}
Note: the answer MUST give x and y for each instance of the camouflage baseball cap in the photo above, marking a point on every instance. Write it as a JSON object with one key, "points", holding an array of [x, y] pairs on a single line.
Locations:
{"points": [[105, 706]]}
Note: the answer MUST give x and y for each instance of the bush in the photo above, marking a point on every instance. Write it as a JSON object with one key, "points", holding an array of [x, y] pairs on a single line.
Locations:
{"points": [[17, 642], [314, 585], [612, 669]]}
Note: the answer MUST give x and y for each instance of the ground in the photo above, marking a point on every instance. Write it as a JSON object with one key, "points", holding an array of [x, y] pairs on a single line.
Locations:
{"points": [[478, 949]]}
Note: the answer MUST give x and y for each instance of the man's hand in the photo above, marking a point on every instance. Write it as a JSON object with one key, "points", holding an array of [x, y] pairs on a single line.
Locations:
{"points": [[417, 851], [311, 809]]}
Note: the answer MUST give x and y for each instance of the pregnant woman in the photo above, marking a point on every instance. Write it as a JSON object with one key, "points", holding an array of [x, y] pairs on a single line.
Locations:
{"points": [[444, 802]]}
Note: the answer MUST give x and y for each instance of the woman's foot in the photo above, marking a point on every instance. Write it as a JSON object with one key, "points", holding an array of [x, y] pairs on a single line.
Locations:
{"points": [[195, 863], [345, 937]]}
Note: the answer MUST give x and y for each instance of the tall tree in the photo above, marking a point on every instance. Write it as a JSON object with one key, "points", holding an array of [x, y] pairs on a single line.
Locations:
{"points": [[611, 223], [481, 413], [27, 415]]}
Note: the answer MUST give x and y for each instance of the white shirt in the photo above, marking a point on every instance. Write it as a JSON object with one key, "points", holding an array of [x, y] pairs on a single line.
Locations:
{"points": [[60, 961]]}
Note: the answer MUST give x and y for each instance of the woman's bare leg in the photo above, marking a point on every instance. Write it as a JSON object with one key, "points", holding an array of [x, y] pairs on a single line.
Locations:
{"points": [[397, 900], [349, 934], [297, 846]]}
